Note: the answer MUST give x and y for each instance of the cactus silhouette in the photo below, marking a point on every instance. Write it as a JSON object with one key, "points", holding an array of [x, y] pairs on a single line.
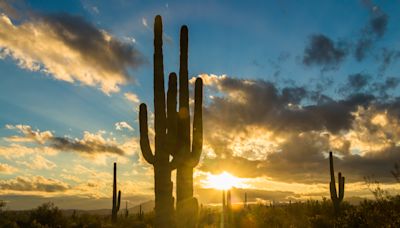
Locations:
{"points": [[188, 154], [228, 215], [172, 137], [115, 202], [126, 210], [335, 197], [223, 210], [165, 124], [140, 214]]}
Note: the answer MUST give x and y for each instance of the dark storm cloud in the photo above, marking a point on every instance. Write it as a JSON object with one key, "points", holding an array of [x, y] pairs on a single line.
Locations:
{"points": [[109, 53], [321, 50], [85, 146], [261, 103]]}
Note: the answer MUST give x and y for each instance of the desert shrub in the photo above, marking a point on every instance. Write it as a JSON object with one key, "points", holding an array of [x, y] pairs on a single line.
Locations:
{"points": [[47, 215]]}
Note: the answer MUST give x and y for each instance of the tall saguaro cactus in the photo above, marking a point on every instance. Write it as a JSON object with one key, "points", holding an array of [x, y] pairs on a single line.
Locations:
{"points": [[116, 202], [188, 155], [335, 197], [165, 124]]}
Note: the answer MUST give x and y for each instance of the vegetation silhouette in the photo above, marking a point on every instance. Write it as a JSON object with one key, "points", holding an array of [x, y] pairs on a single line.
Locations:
{"points": [[172, 137], [116, 202], [336, 197]]}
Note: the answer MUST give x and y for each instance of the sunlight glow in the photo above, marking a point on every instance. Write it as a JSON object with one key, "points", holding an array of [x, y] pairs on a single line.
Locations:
{"points": [[223, 181]]}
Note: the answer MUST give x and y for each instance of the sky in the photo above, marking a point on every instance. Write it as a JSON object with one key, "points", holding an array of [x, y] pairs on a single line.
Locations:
{"points": [[285, 82]]}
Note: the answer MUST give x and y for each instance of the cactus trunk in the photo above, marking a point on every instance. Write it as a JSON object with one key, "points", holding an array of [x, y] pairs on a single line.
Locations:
{"points": [[335, 197], [115, 201]]}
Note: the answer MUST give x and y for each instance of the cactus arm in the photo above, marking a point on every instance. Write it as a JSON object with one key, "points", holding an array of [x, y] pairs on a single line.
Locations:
{"points": [[341, 188], [197, 145], [159, 94], [144, 135], [184, 113], [119, 201], [171, 113]]}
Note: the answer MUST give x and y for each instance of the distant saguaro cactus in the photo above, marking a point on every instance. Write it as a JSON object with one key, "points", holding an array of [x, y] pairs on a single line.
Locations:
{"points": [[223, 210], [228, 215], [126, 210], [140, 213], [115, 202], [188, 154], [335, 197]]}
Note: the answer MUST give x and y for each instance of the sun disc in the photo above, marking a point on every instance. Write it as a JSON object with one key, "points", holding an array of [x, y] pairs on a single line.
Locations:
{"points": [[222, 181]]}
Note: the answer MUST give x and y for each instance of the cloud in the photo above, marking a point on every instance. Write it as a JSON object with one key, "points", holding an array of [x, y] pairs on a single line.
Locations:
{"points": [[29, 135], [70, 49], [121, 125], [35, 183], [14, 151], [258, 102], [329, 54], [356, 83], [323, 51], [132, 97], [374, 30], [7, 169], [38, 162], [255, 129], [89, 144]]}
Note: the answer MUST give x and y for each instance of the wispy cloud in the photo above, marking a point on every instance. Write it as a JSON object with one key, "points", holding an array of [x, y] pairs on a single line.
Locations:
{"points": [[34, 183], [38, 162], [121, 125], [132, 97], [7, 169]]}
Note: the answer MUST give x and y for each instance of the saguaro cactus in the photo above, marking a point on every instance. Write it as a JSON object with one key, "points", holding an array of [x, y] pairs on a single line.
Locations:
{"points": [[115, 202], [165, 124], [126, 210], [188, 155], [336, 198]]}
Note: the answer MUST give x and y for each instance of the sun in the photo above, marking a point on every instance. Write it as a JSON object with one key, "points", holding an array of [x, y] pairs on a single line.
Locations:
{"points": [[223, 181]]}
